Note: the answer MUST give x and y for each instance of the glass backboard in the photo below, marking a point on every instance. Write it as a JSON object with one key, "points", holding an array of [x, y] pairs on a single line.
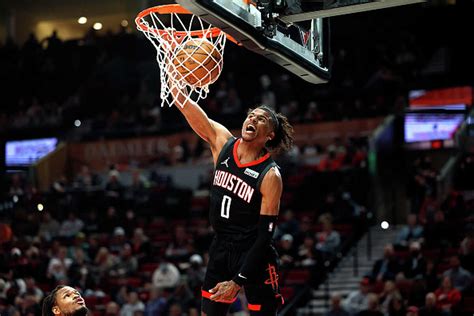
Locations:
{"points": [[291, 33]]}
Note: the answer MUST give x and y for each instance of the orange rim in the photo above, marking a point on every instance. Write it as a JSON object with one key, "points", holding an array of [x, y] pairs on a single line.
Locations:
{"points": [[177, 9]]}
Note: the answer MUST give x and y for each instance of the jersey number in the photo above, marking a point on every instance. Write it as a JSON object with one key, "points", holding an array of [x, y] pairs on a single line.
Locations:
{"points": [[225, 206]]}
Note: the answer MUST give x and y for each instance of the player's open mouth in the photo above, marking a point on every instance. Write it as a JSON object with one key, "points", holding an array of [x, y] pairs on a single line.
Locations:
{"points": [[250, 128]]}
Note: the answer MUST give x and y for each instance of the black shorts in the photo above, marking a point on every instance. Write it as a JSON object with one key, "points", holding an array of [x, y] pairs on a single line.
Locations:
{"points": [[262, 290]]}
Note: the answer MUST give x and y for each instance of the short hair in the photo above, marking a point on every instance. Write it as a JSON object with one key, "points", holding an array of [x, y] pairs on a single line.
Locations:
{"points": [[283, 140], [49, 301]]}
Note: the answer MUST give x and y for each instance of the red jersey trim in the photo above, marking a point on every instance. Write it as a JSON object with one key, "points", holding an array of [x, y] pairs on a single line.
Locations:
{"points": [[248, 164], [254, 307]]}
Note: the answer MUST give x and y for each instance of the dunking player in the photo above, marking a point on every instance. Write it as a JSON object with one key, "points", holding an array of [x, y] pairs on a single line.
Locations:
{"points": [[245, 200], [64, 301]]}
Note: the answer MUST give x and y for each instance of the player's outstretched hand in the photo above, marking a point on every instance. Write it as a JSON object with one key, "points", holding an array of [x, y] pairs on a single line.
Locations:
{"points": [[224, 292]]}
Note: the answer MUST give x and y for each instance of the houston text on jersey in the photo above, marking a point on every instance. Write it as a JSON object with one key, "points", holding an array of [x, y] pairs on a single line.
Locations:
{"points": [[234, 184]]}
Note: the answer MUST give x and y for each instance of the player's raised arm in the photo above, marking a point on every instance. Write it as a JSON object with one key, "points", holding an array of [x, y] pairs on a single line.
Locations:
{"points": [[212, 132]]}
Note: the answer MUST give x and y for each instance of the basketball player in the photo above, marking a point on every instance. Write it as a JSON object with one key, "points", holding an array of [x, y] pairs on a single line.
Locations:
{"points": [[64, 301], [245, 200]]}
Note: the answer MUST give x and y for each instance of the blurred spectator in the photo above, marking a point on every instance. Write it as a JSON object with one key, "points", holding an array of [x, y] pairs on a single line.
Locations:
{"points": [[438, 233], [389, 292], [17, 186], [286, 251], [336, 308], [103, 263], [328, 240], [195, 274], [140, 245], [372, 306], [53, 43], [71, 226], [289, 224], [306, 252], [156, 305], [447, 297], [111, 220], [91, 223], [79, 273], [166, 276], [387, 267], [396, 306], [133, 305], [113, 187], [466, 249], [428, 208], [59, 265], [86, 179], [126, 265], [430, 308], [460, 277], [183, 296], [175, 310], [118, 240], [49, 227], [179, 248], [33, 290], [415, 264], [11, 286], [409, 232], [412, 311], [27, 305], [431, 278], [357, 301], [112, 309]]}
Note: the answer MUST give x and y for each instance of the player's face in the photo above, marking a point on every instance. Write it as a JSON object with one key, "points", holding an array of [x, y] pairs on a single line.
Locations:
{"points": [[69, 302], [257, 125]]}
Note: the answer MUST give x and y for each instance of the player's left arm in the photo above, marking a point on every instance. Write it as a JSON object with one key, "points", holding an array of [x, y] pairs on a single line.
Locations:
{"points": [[271, 189]]}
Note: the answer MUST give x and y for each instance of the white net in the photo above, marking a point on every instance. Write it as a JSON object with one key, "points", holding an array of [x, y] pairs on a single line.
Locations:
{"points": [[189, 52]]}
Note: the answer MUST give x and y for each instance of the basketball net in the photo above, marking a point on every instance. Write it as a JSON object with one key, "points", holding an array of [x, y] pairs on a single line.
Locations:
{"points": [[168, 32]]}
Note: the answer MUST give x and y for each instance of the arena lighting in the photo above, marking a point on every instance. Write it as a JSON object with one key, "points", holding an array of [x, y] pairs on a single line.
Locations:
{"points": [[15, 198], [82, 20], [40, 207], [384, 225], [97, 26], [77, 123], [124, 23]]}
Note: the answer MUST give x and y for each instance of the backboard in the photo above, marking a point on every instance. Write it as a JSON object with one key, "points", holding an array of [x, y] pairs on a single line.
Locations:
{"points": [[292, 33]]}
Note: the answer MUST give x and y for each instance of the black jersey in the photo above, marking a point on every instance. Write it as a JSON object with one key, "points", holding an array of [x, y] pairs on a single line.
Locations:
{"points": [[235, 193]]}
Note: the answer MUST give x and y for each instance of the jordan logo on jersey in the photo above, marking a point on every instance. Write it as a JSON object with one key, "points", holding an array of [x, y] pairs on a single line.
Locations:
{"points": [[234, 184], [226, 162]]}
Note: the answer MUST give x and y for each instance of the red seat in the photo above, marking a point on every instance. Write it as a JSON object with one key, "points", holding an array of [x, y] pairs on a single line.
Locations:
{"points": [[134, 282], [468, 305], [297, 276], [91, 301], [287, 292]]}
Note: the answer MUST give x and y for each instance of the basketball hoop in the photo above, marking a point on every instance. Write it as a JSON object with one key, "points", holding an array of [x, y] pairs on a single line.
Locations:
{"points": [[169, 28]]}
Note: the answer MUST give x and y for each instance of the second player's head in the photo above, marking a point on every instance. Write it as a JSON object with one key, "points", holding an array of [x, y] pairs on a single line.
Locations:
{"points": [[64, 301]]}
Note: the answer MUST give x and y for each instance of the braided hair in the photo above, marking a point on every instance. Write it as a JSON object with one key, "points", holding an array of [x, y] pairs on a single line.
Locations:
{"points": [[283, 140], [49, 301]]}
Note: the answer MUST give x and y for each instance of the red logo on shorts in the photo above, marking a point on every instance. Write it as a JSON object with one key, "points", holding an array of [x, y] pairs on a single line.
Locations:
{"points": [[273, 277]]}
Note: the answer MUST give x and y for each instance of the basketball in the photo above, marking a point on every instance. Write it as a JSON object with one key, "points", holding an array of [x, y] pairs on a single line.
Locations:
{"points": [[198, 62], [5, 233]]}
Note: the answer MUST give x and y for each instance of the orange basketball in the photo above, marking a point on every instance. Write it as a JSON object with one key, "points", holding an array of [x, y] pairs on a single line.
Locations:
{"points": [[198, 62], [5, 233]]}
